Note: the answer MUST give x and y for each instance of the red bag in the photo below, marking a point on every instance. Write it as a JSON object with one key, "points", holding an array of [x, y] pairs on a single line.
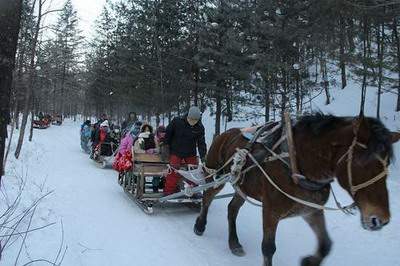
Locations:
{"points": [[116, 160], [123, 162]]}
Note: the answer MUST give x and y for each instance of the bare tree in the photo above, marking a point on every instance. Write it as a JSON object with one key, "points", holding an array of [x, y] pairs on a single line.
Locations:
{"points": [[29, 86], [31, 73]]}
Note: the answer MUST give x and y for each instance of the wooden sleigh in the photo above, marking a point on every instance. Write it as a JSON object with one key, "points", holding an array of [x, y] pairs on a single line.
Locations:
{"points": [[139, 186], [139, 183]]}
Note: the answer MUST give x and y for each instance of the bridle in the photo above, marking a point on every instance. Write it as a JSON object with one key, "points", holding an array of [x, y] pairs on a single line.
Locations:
{"points": [[350, 154]]}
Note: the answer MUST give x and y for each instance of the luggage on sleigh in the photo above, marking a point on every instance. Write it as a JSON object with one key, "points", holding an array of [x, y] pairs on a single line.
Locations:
{"points": [[144, 183]]}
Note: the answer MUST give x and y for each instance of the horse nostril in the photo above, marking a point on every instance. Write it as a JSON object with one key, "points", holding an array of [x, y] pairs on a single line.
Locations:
{"points": [[375, 222]]}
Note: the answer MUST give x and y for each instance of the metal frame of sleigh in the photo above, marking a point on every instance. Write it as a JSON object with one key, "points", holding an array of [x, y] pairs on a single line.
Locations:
{"points": [[138, 183]]}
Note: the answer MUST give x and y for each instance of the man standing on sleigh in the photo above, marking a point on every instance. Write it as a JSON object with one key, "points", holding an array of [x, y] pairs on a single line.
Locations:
{"points": [[184, 135]]}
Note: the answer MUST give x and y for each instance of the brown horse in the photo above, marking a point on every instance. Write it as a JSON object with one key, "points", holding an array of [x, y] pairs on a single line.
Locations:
{"points": [[322, 143]]}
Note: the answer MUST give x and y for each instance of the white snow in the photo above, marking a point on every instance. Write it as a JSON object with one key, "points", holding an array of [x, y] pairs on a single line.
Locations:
{"points": [[102, 226]]}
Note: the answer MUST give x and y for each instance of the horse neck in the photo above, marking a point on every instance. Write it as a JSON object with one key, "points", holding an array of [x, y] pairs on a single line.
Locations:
{"points": [[315, 157]]}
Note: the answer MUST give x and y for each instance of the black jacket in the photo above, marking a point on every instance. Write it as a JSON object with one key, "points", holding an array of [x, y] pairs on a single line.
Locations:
{"points": [[183, 138], [95, 137]]}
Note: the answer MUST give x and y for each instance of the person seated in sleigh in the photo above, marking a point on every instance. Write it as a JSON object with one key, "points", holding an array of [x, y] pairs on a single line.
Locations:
{"points": [[95, 137], [149, 143], [123, 160], [86, 132], [106, 144], [145, 142], [162, 146]]}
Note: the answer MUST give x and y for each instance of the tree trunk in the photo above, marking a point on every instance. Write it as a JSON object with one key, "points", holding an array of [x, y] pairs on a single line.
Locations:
{"points": [[325, 79], [30, 83], [10, 15], [301, 97], [196, 86], [267, 101], [380, 41], [62, 90], [316, 69], [16, 114], [229, 107], [342, 55], [285, 101], [350, 34], [396, 36], [297, 93], [31, 126], [364, 81], [218, 111], [10, 137]]}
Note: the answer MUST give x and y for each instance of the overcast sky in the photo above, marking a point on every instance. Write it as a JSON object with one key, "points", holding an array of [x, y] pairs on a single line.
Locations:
{"points": [[88, 11]]}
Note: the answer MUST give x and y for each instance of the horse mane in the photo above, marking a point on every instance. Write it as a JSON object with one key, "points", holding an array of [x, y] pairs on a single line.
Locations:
{"points": [[380, 140]]}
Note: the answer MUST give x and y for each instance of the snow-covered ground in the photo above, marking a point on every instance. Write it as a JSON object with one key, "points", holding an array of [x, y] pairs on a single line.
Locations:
{"points": [[102, 226]]}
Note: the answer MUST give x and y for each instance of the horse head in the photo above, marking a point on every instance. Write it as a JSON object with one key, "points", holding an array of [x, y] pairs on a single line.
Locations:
{"points": [[363, 153]]}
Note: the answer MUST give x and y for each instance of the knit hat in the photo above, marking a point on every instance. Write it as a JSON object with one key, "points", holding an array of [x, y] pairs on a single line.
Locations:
{"points": [[194, 113]]}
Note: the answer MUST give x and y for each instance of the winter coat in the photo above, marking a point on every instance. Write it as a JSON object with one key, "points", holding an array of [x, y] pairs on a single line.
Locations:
{"points": [[183, 138], [85, 138], [145, 143], [103, 134], [107, 144], [95, 137], [126, 144], [127, 124], [86, 132]]}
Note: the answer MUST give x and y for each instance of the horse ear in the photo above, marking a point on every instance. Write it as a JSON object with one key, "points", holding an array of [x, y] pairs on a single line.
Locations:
{"points": [[395, 136]]}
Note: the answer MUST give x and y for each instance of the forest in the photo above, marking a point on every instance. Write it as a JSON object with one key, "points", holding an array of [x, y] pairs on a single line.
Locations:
{"points": [[158, 57]]}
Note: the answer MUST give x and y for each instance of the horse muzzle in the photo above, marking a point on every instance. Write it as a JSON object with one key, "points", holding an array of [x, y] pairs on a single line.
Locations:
{"points": [[373, 223]]}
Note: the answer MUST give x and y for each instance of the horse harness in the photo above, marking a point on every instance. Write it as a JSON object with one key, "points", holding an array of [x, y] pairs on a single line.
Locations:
{"points": [[263, 135]]}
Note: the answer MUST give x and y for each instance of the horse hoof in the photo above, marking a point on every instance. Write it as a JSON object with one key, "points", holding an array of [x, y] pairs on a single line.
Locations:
{"points": [[197, 231], [310, 261], [238, 251]]}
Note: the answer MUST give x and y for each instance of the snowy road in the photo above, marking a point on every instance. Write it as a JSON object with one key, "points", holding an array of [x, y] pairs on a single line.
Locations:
{"points": [[103, 227]]}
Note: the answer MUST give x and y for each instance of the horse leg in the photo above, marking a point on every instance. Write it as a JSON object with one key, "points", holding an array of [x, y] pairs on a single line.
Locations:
{"points": [[233, 210], [201, 221], [317, 223], [268, 247]]}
